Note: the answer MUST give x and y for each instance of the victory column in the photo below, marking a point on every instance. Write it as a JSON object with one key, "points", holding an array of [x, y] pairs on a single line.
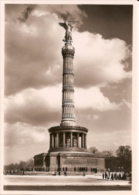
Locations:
{"points": [[68, 142]]}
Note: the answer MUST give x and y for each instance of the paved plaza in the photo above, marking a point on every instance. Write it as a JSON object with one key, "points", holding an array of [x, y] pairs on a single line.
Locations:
{"points": [[53, 183]]}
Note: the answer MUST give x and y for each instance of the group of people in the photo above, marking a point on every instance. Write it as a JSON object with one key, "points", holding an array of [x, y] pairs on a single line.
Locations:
{"points": [[115, 175]]}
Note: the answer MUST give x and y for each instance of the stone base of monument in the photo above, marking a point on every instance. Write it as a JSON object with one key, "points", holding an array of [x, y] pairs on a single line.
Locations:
{"points": [[69, 163], [68, 152]]}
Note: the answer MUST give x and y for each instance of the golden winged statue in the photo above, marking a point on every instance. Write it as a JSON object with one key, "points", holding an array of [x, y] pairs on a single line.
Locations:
{"points": [[68, 34]]}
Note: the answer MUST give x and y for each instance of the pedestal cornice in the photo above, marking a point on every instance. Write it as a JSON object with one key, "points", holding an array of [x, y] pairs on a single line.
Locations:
{"points": [[68, 128]]}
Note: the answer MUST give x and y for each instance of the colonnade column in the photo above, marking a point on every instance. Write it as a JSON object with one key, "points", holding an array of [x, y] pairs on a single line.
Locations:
{"points": [[82, 144], [85, 140], [71, 139], [63, 139], [77, 139], [57, 139], [55, 142], [52, 140]]}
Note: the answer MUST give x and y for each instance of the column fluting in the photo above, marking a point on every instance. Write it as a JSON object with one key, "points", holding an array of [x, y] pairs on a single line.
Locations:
{"points": [[68, 118]]}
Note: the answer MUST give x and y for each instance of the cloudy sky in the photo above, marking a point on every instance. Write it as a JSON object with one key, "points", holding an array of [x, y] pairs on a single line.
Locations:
{"points": [[33, 75]]}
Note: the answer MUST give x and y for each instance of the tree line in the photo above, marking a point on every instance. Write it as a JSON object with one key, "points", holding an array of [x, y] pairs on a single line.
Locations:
{"points": [[26, 165], [119, 160]]}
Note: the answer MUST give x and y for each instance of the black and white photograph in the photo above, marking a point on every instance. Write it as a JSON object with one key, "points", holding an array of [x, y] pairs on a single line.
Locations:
{"points": [[69, 105]]}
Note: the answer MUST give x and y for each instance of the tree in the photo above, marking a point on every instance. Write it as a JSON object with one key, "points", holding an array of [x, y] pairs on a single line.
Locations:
{"points": [[124, 151], [122, 160], [107, 154], [94, 150], [27, 165], [30, 163]]}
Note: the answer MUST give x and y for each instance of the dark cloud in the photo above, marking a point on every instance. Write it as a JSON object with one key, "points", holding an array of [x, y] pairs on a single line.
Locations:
{"points": [[65, 12], [108, 121], [21, 12], [13, 11], [118, 91], [26, 12], [33, 112], [109, 20], [18, 12]]}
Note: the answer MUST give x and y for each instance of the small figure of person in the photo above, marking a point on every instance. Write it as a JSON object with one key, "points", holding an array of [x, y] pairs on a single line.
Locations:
{"points": [[124, 176], [83, 173], [103, 176], [108, 176], [119, 176], [115, 176], [111, 176], [109, 170], [127, 174], [130, 177]]}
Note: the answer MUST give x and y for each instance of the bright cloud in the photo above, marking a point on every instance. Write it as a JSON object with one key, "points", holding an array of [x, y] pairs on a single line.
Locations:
{"points": [[94, 98], [99, 61], [44, 106], [34, 107]]}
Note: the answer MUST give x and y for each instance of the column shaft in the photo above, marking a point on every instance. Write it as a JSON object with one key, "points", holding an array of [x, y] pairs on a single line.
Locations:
{"points": [[71, 139], [52, 140], [77, 139], [63, 139], [57, 139], [82, 140], [68, 86], [85, 140]]}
